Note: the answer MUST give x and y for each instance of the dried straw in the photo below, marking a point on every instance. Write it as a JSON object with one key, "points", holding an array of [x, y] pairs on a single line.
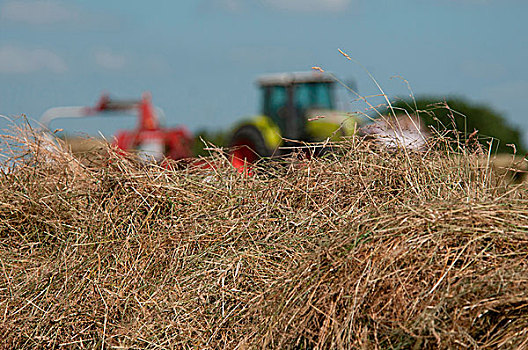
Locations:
{"points": [[362, 248]]}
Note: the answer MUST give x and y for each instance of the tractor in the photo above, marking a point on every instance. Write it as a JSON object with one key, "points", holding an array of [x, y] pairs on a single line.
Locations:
{"points": [[297, 109], [149, 140]]}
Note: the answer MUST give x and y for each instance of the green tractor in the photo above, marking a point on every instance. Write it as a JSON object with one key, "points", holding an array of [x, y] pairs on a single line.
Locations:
{"points": [[297, 108]]}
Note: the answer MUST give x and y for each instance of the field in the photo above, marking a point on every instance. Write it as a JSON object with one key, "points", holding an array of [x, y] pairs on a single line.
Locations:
{"points": [[361, 249]]}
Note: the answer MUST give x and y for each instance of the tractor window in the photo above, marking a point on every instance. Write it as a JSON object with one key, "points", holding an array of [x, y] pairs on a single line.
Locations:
{"points": [[313, 95], [275, 100]]}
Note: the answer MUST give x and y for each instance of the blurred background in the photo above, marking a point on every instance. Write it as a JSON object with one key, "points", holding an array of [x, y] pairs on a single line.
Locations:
{"points": [[200, 58]]}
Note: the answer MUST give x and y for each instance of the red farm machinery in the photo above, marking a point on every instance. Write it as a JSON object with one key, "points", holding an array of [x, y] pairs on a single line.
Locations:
{"points": [[149, 139]]}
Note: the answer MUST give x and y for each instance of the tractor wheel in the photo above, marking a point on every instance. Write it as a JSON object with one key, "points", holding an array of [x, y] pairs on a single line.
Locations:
{"points": [[247, 146]]}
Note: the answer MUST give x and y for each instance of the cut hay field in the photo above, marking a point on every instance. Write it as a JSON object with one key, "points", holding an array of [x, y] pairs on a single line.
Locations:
{"points": [[361, 249]]}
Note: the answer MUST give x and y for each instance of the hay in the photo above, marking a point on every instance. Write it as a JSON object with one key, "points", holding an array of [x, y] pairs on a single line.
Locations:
{"points": [[362, 248]]}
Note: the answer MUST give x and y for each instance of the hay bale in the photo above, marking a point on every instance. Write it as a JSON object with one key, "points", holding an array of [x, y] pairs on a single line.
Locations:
{"points": [[358, 249]]}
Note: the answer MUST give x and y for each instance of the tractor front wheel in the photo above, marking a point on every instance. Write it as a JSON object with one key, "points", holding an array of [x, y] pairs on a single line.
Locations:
{"points": [[247, 146]]}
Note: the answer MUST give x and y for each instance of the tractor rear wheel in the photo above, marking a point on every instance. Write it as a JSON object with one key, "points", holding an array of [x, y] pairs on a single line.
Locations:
{"points": [[247, 146]]}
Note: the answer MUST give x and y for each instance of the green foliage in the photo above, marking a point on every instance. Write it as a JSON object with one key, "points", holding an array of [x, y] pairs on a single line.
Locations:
{"points": [[459, 114], [217, 138]]}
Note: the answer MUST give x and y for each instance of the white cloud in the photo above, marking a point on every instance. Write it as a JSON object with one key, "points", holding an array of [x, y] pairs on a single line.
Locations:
{"points": [[226, 5], [110, 60], [265, 56], [286, 5], [512, 90], [38, 12], [231, 5], [472, 2], [156, 64], [22, 60], [481, 69], [310, 5]]}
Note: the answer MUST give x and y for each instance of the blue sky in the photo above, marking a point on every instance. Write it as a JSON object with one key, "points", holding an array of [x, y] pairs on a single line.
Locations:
{"points": [[200, 58]]}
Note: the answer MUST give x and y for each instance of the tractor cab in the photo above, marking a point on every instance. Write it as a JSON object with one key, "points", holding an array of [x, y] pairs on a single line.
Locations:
{"points": [[289, 97]]}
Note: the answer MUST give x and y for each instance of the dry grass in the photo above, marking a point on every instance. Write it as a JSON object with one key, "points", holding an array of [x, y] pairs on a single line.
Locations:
{"points": [[363, 248]]}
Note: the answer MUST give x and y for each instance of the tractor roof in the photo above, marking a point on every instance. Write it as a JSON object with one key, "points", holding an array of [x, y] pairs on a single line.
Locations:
{"points": [[294, 78]]}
